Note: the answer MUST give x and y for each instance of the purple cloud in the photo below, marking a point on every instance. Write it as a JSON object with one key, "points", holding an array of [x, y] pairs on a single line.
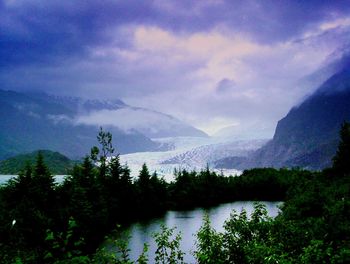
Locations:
{"points": [[211, 63]]}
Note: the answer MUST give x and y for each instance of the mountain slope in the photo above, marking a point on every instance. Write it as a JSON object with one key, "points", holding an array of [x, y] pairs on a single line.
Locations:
{"points": [[151, 123], [308, 136], [188, 153], [118, 114], [200, 157], [56, 162], [29, 122]]}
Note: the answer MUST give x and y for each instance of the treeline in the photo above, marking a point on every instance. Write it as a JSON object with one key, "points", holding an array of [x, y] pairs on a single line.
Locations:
{"points": [[41, 222], [206, 188], [313, 226], [96, 198], [58, 163]]}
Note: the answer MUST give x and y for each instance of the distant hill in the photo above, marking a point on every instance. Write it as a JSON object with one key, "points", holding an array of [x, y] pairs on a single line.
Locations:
{"points": [[56, 162], [69, 125], [119, 115], [37, 121], [308, 136]]}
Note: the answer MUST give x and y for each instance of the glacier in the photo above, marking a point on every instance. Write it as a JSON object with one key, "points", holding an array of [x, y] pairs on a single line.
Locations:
{"points": [[190, 153]]}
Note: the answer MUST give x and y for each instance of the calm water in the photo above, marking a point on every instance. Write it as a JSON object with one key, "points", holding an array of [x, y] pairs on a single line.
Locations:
{"points": [[5, 178], [188, 223]]}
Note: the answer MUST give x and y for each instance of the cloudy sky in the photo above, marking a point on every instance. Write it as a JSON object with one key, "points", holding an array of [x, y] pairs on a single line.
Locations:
{"points": [[211, 63]]}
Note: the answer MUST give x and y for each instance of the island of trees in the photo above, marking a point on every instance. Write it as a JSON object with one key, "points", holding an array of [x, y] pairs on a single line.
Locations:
{"points": [[44, 222]]}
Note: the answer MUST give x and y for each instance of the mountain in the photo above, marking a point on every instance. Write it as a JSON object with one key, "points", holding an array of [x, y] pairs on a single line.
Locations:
{"points": [[150, 123], [201, 156], [38, 121], [308, 136], [188, 153], [116, 113], [235, 133], [56, 162]]}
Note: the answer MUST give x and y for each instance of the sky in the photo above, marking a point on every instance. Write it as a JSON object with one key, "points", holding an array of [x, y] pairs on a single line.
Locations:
{"points": [[210, 63]]}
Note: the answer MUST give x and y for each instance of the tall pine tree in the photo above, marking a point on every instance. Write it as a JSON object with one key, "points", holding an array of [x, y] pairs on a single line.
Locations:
{"points": [[341, 161]]}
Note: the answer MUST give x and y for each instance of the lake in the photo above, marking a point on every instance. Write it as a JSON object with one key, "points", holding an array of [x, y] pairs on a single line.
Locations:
{"points": [[188, 223]]}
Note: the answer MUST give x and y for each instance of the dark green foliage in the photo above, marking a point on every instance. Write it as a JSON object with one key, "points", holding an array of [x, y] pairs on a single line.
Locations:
{"points": [[168, 246], [290, 238], [29, 201], [58, 163], [313, 226], [41, 222], [267, 183], [207, 188], [152, 193], [341, 161], [209, 245], [98, 197], [63, 244]]}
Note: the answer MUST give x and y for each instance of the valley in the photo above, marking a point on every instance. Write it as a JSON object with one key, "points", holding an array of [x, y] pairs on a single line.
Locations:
{"points": [[189, 153]]}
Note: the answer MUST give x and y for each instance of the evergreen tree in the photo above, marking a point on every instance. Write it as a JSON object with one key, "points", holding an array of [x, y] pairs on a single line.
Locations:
{"points": [[40, 169], [144, 177], [128, 195], [115, 168], [144, 190], [24, 179], [42, 187], [113, 188], [125, 177], [341, 161]]}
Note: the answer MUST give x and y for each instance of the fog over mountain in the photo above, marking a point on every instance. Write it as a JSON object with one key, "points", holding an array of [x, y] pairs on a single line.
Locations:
{"points": [[308, 135], [68, 124], [231, 69], [211, 64], [150, 123]]}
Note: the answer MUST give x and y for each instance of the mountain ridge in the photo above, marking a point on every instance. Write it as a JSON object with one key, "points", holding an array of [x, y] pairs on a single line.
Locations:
{"points": [[151, 123], [56, 162], [30, 122], [308, 135]]}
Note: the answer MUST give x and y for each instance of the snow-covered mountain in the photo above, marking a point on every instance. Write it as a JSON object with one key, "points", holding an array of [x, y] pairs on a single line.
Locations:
{"points": [[38, 121], [150, 123], [200, 157], [118, 114], [31, 121]]}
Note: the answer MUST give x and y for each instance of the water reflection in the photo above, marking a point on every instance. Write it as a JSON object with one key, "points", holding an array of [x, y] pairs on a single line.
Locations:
{"points": [[188, 223]]}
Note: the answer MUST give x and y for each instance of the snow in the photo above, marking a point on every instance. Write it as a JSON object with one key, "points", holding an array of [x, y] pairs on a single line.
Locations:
{"points": [[190, 153]]}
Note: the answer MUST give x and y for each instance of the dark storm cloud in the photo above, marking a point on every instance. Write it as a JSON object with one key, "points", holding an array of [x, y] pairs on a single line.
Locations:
{"points": [[210, 59], [36, 32], [41, 31]]}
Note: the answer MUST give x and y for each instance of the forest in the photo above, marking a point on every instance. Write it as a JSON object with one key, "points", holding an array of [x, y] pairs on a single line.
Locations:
{"points": [[44, 222]]}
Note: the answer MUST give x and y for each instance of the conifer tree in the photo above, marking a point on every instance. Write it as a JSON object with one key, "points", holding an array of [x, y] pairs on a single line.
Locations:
{"points": [[115, 168], [144, 176], [42, 188], [341, 161]]}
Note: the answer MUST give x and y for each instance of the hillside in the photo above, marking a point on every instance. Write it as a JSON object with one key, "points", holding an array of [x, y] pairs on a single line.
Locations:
{"points": [[69, 125], [36, 121], [308, 136], [57, 163], [117, 114]]}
